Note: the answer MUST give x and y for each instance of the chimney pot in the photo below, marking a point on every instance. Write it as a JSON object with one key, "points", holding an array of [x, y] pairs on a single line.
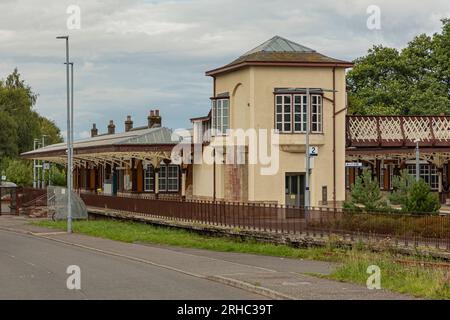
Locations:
{"points": [[94, 130], [111, 127], [154, 120], [128, 124]]}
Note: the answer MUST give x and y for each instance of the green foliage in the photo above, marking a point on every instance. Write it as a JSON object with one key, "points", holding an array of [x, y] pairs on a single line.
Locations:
{"points": [[414, 196], [421, 199], [401, 185], [56, 176], [414, 81], [8, 135], [20, 124], [18, 171], [366, 193]]}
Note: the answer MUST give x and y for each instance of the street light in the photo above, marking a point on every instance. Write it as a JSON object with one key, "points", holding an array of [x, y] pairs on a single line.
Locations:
{"points": [[69, 141], [417, 159], [43, 162]]}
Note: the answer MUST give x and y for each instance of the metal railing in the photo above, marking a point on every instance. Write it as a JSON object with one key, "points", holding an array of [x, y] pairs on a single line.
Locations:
{"points": [[395, 227]]}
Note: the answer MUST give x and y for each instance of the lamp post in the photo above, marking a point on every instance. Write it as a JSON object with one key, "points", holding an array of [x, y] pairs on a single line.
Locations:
{"points": [[34, 165], [69, 141], [309, 91], [417, 160], [43, 162]]}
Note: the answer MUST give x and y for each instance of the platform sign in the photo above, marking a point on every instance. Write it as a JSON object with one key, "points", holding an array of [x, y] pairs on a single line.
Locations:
{"points": [[3, 178], [313, 151], [353, 165]]}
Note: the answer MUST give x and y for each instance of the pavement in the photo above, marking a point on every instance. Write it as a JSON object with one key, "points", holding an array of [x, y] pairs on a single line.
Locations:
{"points": [[33, 262]]}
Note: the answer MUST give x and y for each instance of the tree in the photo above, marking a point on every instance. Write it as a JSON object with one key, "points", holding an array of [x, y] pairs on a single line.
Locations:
{"points": [[20, 124], [50, 130], [8, 135], [413, 81], [17, 99], [20, 172], [401, 185], [366, 192]]}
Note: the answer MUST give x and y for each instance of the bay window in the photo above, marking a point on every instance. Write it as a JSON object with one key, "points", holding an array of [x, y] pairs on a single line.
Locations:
{"points": [[291, 110]]}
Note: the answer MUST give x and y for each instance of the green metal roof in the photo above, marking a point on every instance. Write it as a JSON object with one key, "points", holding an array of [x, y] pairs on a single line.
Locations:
{"points": [[279, 44]]}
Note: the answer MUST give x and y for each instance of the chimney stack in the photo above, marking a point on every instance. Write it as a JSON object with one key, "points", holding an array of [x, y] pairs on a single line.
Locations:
{"points": [[94, 130], [154, 119], [128, 124], [111, 127]]}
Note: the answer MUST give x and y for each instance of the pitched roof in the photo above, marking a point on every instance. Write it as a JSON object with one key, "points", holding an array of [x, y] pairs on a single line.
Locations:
{"points": [[280, 51], [148, 136]]}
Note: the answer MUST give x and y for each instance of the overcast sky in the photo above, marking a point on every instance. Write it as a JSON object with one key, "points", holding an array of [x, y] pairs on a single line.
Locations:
{"points": [[134, 55]]}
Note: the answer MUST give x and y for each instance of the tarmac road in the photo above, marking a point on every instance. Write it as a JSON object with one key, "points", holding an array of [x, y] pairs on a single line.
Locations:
{"points": [[35, 268]]}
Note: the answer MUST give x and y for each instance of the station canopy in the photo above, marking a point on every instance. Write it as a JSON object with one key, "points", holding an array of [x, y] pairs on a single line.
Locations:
{"points": [[149, 144]]}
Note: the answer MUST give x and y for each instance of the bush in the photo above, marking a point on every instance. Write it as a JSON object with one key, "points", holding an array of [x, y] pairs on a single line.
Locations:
{"points": [[365, 193], [420, 199]]}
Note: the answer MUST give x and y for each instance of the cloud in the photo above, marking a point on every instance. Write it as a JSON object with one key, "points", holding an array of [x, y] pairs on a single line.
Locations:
{"points": [[132, 56]]}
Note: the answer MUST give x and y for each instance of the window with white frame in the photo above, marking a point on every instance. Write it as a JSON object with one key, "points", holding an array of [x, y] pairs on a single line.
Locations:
{"points": [[168, 179], [283, 113], [172, 178], [300, 112], [149, 179], [316, 113], [427, 172], [220, 116], [290, 113], [162, 178]]}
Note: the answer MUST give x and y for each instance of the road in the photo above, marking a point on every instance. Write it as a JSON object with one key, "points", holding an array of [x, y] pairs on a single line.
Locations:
{"points": [[34, 260], [35, 268]]}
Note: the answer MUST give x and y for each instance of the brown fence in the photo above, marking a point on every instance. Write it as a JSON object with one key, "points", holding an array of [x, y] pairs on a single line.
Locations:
{"points": [[29, 197], [403, 229]]}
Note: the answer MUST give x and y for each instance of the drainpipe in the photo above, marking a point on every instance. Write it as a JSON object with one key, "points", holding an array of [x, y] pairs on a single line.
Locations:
{"points": [[334, 137], [214, 174]]}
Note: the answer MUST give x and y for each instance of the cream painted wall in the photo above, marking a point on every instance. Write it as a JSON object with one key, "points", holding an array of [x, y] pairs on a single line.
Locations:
{"points": [[252, 106]]}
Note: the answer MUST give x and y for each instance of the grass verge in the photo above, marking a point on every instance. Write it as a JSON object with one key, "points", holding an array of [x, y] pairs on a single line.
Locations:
{"points": [[413, 280]]}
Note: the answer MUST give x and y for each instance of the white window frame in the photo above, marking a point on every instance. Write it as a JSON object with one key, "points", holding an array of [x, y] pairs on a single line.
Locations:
{"points": [[428, 173], [220, 123], [173, 180], [316, 111], [318, 104], [162, 178], [169, 178], [149, 178], [302, 113]]}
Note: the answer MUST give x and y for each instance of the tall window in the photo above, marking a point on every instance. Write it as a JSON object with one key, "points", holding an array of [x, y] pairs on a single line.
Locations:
{"points": [[162, 178], [149, 179], [283, 110], [316, 113], [168, 178], [290, 113], [221, 115]]}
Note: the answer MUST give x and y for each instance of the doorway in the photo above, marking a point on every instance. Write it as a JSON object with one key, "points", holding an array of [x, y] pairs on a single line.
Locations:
{"points": [[295, 189]]}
